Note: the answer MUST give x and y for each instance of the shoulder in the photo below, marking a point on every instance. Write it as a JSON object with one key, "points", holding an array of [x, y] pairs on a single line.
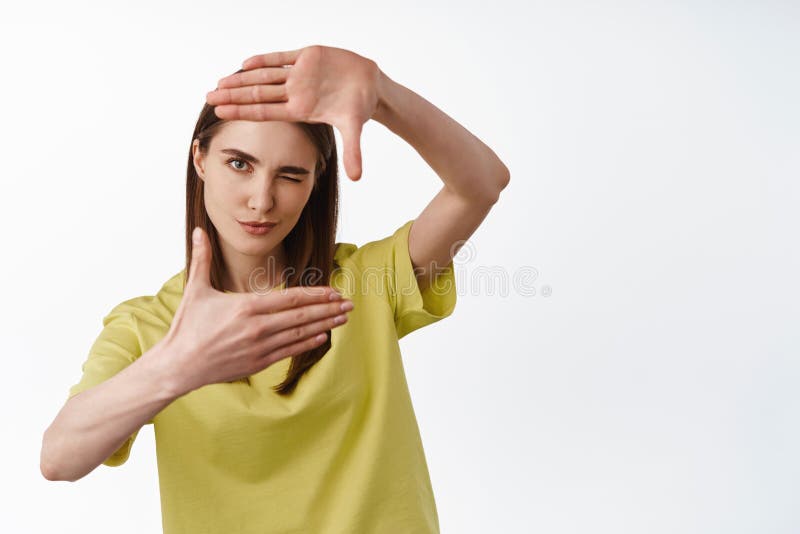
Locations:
{"points": [[378, 252], [382, 270], [158, 307]]}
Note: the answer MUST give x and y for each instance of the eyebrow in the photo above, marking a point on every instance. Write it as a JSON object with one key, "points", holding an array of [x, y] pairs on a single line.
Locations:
{"points": [[291, 169]]}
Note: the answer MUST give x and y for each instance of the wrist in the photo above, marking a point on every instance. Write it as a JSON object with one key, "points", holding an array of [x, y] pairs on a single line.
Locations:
{"points": [[384, 89], [163, 360]]}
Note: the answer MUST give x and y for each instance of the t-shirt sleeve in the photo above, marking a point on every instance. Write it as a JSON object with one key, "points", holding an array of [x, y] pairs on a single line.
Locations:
{"points": [[116, 347], [388, 260]]}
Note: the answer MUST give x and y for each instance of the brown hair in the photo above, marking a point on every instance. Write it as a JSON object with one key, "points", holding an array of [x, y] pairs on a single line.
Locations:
{"points": [[309, 245]]}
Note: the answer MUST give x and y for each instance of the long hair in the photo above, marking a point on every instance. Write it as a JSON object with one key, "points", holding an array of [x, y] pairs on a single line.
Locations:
{"points": [[309, 245]]}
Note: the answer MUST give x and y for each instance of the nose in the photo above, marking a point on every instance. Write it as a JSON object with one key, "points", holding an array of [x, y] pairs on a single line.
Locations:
{"points": [[262, 197]]}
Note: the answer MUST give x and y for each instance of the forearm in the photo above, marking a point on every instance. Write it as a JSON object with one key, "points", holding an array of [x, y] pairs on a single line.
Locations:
{"points": [[463, 162], [95, 423]]}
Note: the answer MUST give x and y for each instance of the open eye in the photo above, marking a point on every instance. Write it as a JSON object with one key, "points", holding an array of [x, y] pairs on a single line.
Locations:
{"points": [[239, 160]]}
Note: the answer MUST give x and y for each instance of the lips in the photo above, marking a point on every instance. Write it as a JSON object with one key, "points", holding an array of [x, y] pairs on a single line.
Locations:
{"points": [[258, 224], [256, 230]]}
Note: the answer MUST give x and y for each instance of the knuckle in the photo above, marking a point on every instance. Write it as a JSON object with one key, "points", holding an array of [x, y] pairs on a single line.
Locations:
{"points": [[247, 307], [300, 316], [252, 333], [269, 359], [297, 333]]}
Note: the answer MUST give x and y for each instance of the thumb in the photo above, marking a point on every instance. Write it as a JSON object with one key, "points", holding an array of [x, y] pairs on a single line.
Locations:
{"points": [[200, 266], [351, 138]]}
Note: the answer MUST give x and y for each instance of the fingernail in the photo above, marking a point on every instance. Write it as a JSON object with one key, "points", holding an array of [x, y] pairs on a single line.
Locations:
{"points": [[335, 295]]}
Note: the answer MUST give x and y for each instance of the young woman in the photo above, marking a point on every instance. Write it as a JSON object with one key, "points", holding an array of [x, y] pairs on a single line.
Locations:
{"points": [[273, 410]]}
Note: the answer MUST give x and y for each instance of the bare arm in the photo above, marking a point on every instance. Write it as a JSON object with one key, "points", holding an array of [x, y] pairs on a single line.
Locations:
{"points": [[472, 174], [213, 337], [93, 424]]}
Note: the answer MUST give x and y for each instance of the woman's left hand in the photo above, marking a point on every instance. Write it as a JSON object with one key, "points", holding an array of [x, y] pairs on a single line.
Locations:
{"points": [[319, 84]]}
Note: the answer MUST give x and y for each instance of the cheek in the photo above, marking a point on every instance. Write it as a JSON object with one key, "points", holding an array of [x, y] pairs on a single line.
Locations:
{"points": [[298, 200], [221, 193], [303, 195], [290, 199]]}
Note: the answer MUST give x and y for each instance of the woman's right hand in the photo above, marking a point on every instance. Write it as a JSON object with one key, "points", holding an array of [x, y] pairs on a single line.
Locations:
{"points": [[218, 337]]}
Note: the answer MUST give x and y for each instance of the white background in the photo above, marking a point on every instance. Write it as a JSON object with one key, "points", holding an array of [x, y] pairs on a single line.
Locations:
{"points": [[654, 151]]}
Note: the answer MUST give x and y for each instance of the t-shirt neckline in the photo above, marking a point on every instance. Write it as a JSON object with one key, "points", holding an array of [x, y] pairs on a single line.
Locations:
{"points": [[279, 286]]}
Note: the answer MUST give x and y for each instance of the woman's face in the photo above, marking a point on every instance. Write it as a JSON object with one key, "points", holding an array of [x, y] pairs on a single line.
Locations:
{"points": [[247, 177]]}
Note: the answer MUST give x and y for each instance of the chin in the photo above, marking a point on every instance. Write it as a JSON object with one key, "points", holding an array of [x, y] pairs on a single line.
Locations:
{"points": [[254, 245]]}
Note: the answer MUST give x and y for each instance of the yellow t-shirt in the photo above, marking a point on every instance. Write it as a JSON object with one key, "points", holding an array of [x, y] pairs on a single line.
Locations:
{"points": [[341, 454]]}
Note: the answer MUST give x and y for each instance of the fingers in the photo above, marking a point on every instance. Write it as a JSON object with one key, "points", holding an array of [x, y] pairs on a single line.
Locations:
{"points": [[264, 76], [251, 94], [292, 318], [271, 59], [293, 297], [295, 348], [351, 138], [301, 332], [255, 112], [200, 266]]}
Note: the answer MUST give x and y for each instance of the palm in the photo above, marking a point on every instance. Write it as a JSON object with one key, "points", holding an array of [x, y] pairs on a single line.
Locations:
{"points": [[320, 84]]}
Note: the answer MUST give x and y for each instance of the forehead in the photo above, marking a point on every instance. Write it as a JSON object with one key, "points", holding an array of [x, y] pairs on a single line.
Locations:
{"points": [[267, 140]]}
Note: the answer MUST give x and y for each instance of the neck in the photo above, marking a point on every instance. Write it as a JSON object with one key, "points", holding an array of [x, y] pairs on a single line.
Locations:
{"points": [[244, 274]]}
